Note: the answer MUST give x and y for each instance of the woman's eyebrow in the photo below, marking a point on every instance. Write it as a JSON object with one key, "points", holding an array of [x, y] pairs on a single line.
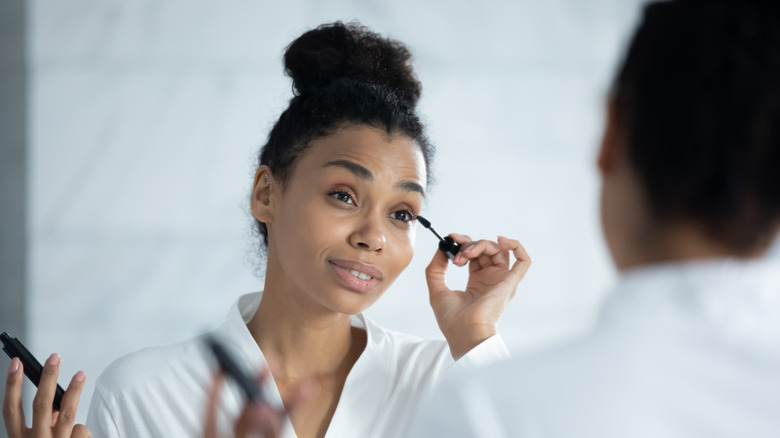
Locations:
{"points": [[365, 174], [409, 186], [359, 171]]}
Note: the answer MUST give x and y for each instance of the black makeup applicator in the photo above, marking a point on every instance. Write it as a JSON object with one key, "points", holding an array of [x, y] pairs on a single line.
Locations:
{"points": [[446, 244]]}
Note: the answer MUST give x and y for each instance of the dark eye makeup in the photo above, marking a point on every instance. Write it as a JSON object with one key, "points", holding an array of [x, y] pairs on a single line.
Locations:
{"points": [[404, 215], [342, 196]]}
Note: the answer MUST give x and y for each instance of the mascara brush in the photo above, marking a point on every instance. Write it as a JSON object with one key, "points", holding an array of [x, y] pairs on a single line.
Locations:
{"points": [[446, 244]]}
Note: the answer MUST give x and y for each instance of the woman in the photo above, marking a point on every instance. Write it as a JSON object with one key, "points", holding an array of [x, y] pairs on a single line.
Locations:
{"points": [[336, 194], [688, 342]]}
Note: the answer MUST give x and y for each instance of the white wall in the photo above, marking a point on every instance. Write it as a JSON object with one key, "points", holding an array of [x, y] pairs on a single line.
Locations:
{"points": [[146, 117]]}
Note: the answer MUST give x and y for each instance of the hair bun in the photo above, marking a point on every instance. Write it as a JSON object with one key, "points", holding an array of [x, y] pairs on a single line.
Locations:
{"points": [[337, 50]]}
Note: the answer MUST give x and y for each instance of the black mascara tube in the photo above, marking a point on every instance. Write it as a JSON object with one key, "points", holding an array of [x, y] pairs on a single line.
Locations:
{"points": [[230, 367]]}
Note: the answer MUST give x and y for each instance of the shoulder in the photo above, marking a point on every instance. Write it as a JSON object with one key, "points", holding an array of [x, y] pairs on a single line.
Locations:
{"points": [[516, 397], [155, 367], [591, 359], [156, 391], [600, 368]]}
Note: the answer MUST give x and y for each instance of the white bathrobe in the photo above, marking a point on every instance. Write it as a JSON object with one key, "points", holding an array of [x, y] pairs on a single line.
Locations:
{"points": [[162, 392], [680, 350]]}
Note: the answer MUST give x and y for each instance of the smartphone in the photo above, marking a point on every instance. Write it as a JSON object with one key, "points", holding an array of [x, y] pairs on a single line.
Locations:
{"points": [[32, 368], [229, 366]]}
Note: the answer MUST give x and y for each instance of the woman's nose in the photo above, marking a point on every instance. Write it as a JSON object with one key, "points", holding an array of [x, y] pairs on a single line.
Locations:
{"points": [[369, 234]]}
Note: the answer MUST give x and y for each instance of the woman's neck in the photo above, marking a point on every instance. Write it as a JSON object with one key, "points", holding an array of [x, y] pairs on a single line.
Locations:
{"points": [[301, 339], [306, 345], [681, 241]]}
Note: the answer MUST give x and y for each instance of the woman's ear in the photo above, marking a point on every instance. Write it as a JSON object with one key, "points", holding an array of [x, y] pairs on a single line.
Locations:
{"points": [[262, 201], [612, 140]]}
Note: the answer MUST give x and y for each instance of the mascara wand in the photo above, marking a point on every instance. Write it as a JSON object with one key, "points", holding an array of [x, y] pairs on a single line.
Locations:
{"points": [[446, 244]]}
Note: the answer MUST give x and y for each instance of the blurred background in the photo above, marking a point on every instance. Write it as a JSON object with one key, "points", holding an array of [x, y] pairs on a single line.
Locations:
{"points": [[129, 135]]}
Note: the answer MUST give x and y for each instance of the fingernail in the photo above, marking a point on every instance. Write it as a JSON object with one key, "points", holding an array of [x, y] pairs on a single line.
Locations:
{"points": [[14, 366], [80, 377], [469, 248], [54, 359]]}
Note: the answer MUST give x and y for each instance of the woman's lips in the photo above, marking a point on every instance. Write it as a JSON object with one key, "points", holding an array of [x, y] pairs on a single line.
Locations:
{"points": [[356, 275]]}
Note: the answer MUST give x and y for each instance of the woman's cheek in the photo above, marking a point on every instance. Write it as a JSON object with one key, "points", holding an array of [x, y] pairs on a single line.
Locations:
{"points": [[406, 248]]}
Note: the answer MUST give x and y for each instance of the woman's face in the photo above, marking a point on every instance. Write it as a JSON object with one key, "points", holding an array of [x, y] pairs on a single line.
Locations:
{"points": [[341, 230]]}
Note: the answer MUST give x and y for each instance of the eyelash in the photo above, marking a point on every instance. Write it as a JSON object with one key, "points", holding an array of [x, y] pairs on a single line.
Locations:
{"points": [[338, 194], [412, 216]]}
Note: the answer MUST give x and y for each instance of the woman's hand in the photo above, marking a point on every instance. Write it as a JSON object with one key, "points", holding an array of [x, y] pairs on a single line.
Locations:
{"points": [[256, 419], [46, 422], [466, 318]]}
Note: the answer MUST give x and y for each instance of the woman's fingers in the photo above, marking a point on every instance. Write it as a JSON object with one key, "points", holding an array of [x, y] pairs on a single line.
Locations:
{"points": [[81, 431], [69, 406], [484, 253], [523, 260], [210, 425], [479, 255], [435, 274], [263, 419], [13, 414], [259, 420], [44, 397], [43, 414], [464, 242]]}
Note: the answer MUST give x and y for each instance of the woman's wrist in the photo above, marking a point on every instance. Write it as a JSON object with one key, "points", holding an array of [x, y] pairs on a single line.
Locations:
{"points": [[463, 339]]}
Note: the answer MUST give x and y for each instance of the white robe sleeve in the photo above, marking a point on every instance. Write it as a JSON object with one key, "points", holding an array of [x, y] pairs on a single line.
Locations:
{"points": [[100, 421], [491, 350]]}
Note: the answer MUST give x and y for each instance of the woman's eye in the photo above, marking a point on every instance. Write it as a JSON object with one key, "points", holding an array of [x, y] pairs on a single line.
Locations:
{"points": [[343, 197], [403, 215]]}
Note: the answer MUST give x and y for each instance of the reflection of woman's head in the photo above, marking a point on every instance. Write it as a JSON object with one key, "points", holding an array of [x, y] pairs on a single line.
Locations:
{"points": [[343, 74], [698, 100]]}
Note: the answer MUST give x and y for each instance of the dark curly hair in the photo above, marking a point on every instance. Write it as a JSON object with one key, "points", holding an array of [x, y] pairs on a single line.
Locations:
{"points": [[343, 74], [698, 95]]}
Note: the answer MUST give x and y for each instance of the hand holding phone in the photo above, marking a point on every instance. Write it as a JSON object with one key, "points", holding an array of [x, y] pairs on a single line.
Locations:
{"points": [[49, 417], [32, 368]]}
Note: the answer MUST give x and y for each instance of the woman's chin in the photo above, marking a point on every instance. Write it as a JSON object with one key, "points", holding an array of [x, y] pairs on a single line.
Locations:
{"points": [[352, 303]]}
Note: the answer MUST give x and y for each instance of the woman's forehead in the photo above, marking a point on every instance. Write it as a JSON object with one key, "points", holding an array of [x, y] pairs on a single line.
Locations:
{"points": [[368, 150]]}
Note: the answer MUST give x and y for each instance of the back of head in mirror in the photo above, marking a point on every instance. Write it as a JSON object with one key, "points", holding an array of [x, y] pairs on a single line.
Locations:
{"points": [[698, 95]]}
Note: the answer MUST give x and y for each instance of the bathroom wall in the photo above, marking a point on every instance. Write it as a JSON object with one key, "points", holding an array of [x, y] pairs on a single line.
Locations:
{"points": [[145, 118]]}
